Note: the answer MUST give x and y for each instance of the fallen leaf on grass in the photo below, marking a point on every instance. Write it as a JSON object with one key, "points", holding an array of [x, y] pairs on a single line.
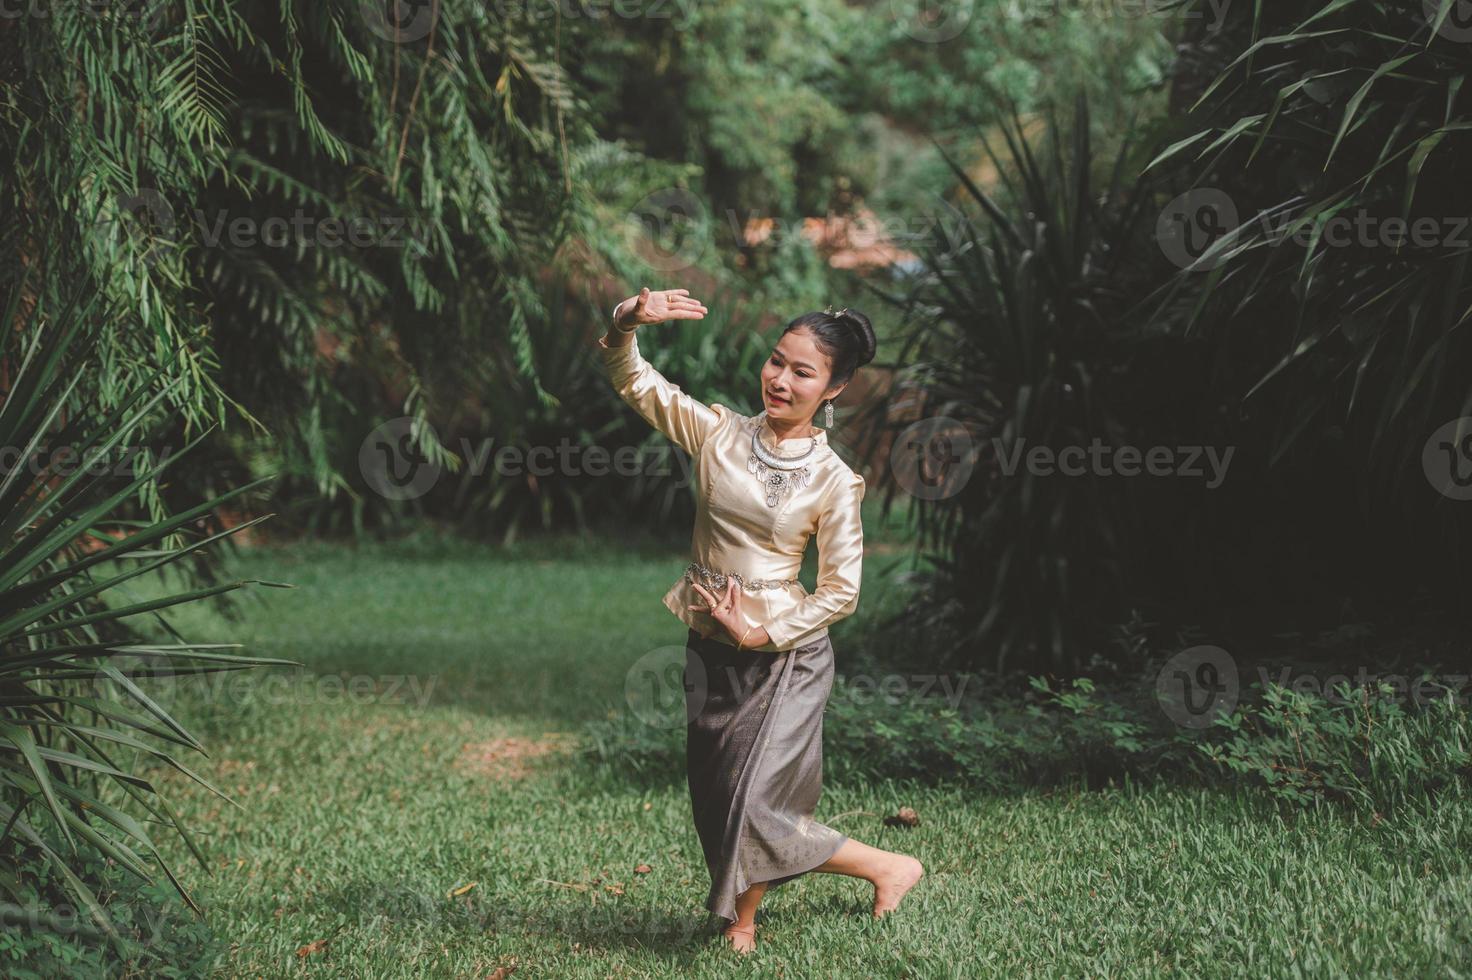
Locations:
{"points": [[907, 817], [457, 892], [315, 946], [643, 869]]}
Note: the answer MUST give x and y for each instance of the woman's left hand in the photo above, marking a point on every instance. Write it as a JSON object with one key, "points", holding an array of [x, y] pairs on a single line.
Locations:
{"points": [[726, 610]]}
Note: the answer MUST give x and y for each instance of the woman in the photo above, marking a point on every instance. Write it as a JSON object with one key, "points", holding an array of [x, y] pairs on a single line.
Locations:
{"points": [[759, 664]]}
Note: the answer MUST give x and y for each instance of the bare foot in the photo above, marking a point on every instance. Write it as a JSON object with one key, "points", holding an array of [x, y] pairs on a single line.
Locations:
{"points": [[743, 938], [892, 884]]}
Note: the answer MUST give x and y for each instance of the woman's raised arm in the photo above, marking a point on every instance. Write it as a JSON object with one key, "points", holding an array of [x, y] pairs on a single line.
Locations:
{"points": [[659, 401]]}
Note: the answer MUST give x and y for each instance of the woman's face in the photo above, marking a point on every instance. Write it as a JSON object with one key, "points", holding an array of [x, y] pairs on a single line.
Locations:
{"points": [[794, 378]]}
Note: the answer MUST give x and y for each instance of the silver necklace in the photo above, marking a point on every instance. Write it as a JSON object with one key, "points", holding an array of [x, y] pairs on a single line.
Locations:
{"points": [[780, 475]]}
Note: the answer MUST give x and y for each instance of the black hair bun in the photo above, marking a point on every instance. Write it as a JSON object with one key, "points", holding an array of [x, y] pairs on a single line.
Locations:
{"points": [[863, 331]]}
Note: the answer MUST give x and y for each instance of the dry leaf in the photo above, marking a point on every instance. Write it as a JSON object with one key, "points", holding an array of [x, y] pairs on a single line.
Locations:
{"points": [[456, 893], [316, 946], [907, 817], [643, 869]]}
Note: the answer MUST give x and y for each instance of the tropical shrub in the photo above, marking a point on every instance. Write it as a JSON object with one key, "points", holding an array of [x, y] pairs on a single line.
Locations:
{"points": [[275, 196], [74, 672], [1302, 307], [1324, 156], [1361, 747], [1017, 333], [45, 935]]}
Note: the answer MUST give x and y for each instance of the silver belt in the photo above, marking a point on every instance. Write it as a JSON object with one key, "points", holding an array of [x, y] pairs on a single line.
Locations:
{"points": [[713, 578]]}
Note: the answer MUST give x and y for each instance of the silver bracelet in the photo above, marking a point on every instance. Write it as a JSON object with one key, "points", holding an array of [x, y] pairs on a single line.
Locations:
{"points": [[615, 319]]}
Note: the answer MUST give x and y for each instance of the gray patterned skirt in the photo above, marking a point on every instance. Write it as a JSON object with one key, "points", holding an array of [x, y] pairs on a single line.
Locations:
{"points": [[754, 760]]}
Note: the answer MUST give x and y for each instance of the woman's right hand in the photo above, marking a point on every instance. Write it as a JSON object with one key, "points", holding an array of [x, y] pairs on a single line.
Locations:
{"points": [[657, 306]]}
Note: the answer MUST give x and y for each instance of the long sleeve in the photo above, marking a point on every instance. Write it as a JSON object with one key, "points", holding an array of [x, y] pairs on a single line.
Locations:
{"points": [[662, 403], [840, 564]]}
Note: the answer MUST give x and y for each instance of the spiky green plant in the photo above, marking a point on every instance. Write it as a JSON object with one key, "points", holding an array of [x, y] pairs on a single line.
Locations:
{"points": [[1015, 321], [76, 715]]}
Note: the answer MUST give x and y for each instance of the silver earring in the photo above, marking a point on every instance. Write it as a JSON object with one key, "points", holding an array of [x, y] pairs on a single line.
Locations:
{"points": [[828, 414]]}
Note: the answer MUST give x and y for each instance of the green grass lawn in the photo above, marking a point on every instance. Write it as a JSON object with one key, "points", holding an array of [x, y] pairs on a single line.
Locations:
{"points": [[419, 830]]}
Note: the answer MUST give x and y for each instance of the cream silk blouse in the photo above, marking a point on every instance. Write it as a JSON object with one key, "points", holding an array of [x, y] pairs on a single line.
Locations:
{"points": [[735, 530]]}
